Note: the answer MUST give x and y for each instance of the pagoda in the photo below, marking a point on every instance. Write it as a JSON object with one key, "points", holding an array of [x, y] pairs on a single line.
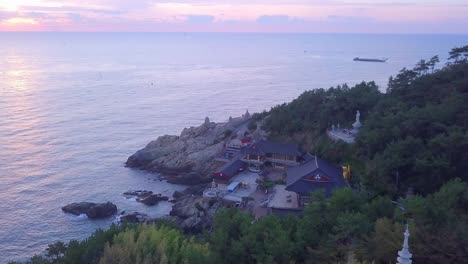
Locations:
{"points": [[404, 256]]}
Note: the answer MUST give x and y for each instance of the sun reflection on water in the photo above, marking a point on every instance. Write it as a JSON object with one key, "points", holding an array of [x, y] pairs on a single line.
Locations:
{"points": [[19, 116], [17, 73]]}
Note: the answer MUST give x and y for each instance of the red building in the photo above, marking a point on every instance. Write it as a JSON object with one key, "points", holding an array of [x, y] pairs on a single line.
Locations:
{"points": [[230, 169]]}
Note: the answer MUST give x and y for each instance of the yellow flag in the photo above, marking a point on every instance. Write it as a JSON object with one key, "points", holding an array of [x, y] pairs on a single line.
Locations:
{"points": [[347, 172]]}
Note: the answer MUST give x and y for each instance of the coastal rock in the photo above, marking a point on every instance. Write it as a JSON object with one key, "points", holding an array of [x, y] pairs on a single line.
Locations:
{"points": [[92, 210], [152, 199], [192, 190], [147, 197], [178, 194], [77, 208], [139, 193], [188, 158], [134, 217], [185, 207], [102, 210], [194, 214]]}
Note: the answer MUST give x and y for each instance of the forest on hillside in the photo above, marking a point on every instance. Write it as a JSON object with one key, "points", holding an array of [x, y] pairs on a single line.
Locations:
{"points": [[414, 136]]}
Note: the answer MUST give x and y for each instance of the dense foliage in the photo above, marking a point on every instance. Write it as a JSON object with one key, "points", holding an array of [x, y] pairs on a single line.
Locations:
{"points": [[414, 135], [147, 244], [307, 117], [129, 244], [348, 228]]}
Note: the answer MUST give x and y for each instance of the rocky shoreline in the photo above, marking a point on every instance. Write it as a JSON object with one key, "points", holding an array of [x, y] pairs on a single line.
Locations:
{"points": [[188, 159], [190, 212]]}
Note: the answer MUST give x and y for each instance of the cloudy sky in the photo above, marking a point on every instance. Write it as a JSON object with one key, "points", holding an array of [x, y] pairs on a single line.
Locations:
{"points": [[347, 16]]}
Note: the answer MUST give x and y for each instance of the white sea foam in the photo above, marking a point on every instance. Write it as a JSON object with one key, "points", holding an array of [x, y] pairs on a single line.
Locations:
{"points": [[116, 219], [80, 217]]}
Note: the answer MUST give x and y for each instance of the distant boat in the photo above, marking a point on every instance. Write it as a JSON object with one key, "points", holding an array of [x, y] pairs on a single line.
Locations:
{"points": [[370, 60]]}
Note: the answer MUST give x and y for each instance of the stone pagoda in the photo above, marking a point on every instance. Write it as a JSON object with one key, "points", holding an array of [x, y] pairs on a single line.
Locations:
{"points": [[404, 256]]}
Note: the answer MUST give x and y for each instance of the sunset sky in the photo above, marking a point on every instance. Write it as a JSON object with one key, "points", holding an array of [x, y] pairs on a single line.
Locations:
{"points": [[346, 16]]}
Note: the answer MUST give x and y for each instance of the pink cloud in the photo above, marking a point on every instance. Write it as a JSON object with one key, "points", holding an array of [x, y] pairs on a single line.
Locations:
{"points": [[376, 16]]}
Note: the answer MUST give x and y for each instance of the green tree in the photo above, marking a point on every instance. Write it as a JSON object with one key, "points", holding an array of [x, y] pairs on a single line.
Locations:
{"points": [[313, 231], [382, 245], [150, 244], [56, 251], [422, 67], [433, 62], [226, 241], [268, 241], [90, 250], [459, 54], [439, 233]]}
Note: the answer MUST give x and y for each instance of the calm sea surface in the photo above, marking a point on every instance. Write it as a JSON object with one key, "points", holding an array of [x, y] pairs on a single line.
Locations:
{"points": [[73, 107]]}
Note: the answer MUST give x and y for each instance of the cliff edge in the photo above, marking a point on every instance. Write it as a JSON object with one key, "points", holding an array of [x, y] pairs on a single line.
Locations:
{"points": [[190, 157]]}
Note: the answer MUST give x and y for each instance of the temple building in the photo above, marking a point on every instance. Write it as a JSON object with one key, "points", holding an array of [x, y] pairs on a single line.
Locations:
{"points": [[230, 169], [242, 153], [314, 174], [275, 154]]}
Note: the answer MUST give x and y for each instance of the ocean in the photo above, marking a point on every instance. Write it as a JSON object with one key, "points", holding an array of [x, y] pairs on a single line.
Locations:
{"points": [[74, 106]]}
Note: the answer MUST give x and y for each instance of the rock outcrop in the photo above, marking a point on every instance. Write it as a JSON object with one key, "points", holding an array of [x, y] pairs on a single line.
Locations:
{"points": [[192, 190], [190, 157], [194, 214], [92, 210], [139, 193], [152, 199], [147, 197], [134, 217]]}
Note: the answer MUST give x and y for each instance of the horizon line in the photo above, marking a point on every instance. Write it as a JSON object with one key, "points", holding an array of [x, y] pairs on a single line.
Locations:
{"points": [[242, 32]]}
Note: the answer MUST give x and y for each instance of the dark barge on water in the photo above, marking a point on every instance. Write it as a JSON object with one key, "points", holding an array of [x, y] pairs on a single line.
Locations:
{"points": [[370, 60]]}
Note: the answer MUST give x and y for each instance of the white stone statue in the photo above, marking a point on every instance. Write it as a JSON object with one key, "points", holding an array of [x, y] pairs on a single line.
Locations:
{"points": [[404, 255], [357, 124]]}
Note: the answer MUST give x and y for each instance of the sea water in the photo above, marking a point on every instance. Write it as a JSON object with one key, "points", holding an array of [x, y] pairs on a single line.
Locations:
{"points": [[74, 106]]}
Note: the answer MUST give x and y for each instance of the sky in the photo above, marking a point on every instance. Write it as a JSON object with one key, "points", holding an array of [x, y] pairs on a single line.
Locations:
{"points": [[317, 16]]}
